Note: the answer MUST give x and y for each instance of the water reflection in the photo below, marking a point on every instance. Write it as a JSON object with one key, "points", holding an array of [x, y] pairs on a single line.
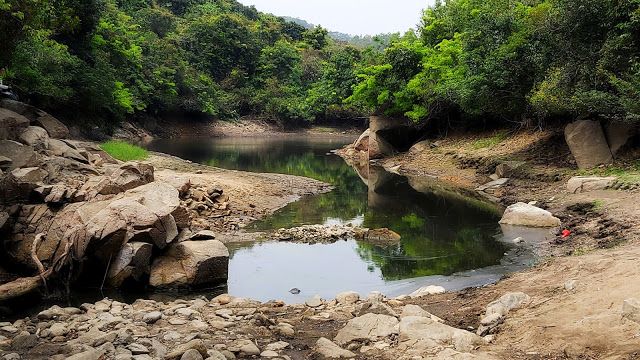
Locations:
{"points": [[443, 231]]}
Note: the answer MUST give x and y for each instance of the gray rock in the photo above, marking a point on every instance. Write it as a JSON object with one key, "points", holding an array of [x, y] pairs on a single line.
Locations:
{"points": [[368, 327], [11, 124], [579, 184], [61, 148], [328, 350], [132, 262], [522, 214], [588, 143], [54, 127], [31, 175], [420, 329], [24, 341], [137, 349], [508, 302], [269, 354], [58, 329], [35, 136], [247, 348], [152, 317], [11, 356], [415, 310], [179, 350], [314, 302], [192, 354], [22, 156], [203, 235], [91, 354]]}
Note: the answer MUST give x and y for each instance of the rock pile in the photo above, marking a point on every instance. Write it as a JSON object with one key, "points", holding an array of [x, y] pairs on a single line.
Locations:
{"points": [[65, 201], [314, 234], [228, 328]]}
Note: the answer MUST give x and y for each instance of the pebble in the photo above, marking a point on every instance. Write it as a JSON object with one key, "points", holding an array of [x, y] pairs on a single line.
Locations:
{"points": [[152, 317], [58, 329], [247, 347]]}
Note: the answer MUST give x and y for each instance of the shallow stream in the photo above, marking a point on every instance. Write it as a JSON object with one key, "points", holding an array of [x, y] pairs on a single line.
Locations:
{"points": [[448, 238]]}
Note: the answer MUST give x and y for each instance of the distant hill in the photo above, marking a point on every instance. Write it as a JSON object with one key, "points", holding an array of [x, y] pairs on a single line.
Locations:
{"points": [[356, 40]]}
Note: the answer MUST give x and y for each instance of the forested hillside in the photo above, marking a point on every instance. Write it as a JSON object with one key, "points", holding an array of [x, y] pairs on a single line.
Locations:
{"points": [[110, 59], [524, 61]]}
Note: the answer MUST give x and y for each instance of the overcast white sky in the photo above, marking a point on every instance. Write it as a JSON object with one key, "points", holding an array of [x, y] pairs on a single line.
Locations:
{"points": [[355, 17]]}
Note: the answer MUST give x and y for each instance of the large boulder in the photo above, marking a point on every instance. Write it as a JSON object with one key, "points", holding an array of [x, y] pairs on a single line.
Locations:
{"points": [[54, 127], [21, 155], [61, 148], [379, 147], [11, 124], [368, 327], [522, 214], [35, 136], [588, 143], [125, 177], [618, 134], [362, 144], [414, 330], [578, 184], [132, 262], [191, 263]]}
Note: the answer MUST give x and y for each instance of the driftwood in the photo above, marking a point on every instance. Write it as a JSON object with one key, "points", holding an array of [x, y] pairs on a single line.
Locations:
{"points": [[26, 285]]}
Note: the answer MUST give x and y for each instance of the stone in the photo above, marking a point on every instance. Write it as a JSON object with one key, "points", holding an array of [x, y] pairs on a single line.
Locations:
{"points": [[91, 354], [314, 302], [570, 285], [24, 341], [192, 354], [368, 327], [35, 136], [379, 147], [152, 317], [277, 346], [428, 290], [492, 185], [415, 329], [588, 143], [54, 127], [522, 214], [618, 134], [508, 302], [130, 175], [133, 262], [268, 354], [375, 307], [203, 235], [415, 310], [21, 156], [12, 124], [348, 297], [579, 184], [58, 329], [247, 348], [179, 350], [137, 349], [631, 309], [285, 329], [195, 263], [61, 148], [31, 175], [328, 350]]}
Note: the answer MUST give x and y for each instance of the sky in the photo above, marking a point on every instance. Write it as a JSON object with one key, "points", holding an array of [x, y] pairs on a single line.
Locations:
{"points": [[356, 17]]}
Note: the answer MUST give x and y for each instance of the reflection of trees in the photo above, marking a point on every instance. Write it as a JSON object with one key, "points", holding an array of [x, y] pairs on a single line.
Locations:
{"points": [[442, 232]]}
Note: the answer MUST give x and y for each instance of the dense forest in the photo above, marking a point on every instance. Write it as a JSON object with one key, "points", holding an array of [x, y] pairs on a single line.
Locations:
{"points": [[520, 61], [499, 60], [116, 58]]}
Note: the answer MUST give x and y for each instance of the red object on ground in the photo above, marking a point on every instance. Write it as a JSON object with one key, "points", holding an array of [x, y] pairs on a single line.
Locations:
{"points": [[566, 233]]}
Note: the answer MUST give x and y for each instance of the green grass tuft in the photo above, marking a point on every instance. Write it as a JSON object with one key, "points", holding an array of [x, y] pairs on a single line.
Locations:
{"points": [[490, 142], [124, 151]]}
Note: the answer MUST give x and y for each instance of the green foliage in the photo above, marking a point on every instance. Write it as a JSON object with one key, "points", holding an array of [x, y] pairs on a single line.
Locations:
{"points": [[512, 60], [124, 151], [118, 58]]}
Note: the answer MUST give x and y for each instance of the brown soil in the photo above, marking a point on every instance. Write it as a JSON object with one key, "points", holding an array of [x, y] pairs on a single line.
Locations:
{"points": [[602, 254]]}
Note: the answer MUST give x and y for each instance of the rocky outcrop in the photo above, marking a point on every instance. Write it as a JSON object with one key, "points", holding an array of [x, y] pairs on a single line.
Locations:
{"points": [[36, 137], [588, 143], [578, 184], [11, 124], [132, 262], [20, 155], [54, 127], [522, 214], [312, 234], [368, 327], [191, 263]]}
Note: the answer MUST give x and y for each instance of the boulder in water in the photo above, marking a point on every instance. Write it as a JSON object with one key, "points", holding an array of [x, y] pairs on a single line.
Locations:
{"points": [[522, 214], [191, 263]]}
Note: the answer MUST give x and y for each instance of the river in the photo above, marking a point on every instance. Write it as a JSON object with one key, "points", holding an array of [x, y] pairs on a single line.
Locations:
{"points": [[448, 239]]}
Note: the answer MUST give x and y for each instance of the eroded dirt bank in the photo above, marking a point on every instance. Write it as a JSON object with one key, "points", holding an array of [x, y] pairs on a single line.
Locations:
{"points": [[580, 288]]}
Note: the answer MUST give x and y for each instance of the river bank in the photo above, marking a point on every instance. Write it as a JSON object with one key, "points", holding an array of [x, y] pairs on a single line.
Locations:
{"points": [[581, 287]]}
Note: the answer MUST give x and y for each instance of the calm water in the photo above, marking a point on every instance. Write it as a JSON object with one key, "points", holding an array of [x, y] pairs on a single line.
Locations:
{"points": [[445, 236]]}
